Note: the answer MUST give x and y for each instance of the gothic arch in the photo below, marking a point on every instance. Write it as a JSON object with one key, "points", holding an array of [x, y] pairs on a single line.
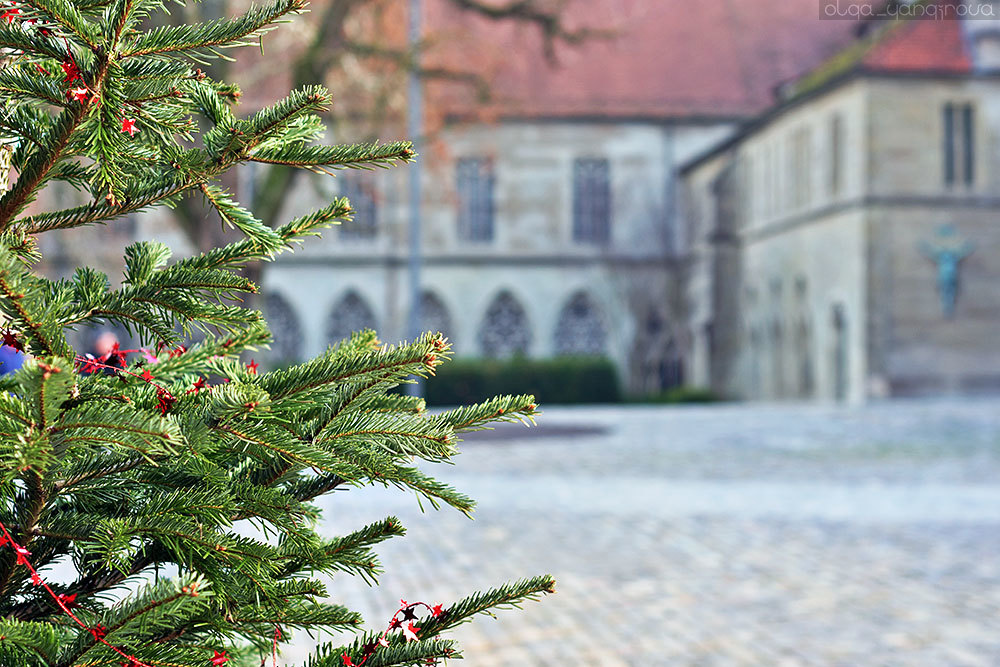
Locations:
{"points": [[580, 329], [350, 314], [804, 358], [504, 331], [434, 315], [285, 327]]}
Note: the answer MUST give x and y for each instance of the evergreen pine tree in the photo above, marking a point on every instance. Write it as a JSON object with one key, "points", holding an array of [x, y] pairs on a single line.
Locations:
{"points": [[144, 469]]}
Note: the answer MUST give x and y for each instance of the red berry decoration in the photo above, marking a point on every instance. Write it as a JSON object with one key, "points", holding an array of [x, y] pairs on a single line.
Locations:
{"points": [[164, 400]]}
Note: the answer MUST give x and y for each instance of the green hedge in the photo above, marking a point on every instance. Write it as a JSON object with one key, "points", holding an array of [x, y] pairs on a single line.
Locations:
{"points": [[552, 381], [682, 395]]}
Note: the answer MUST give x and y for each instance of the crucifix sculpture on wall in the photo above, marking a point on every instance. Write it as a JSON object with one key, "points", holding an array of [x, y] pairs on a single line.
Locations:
{"points": [[947, 252]]}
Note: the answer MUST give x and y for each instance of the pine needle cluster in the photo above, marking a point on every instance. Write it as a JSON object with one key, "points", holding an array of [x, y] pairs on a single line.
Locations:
{"points": [[160, 466]]}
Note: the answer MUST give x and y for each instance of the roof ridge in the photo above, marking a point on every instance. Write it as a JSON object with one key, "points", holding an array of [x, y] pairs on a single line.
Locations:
{"points": [[853, 57]]}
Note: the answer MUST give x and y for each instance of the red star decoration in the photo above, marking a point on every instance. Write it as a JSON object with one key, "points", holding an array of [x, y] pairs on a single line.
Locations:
{"points": [[346, 659], [35, 579], [146, 375], [71, 71], [128, 126], [410, 632], [78, 94], [394, 623], [99, 631], [69, 601], [11, 340], [437, 611], [11, 14], [219, 658], [90, 365], [252, 366]]}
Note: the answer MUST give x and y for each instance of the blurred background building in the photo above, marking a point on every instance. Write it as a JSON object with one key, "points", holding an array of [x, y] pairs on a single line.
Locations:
{"points": [[733, 195], [845, 243], [551, 211]]}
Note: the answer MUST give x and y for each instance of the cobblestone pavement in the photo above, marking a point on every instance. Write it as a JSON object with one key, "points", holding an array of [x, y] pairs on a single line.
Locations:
{"points": [[722, 535]]}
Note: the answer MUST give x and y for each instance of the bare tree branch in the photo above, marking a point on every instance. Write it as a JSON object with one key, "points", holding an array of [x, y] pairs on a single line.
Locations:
{"points": [[549, 21]]}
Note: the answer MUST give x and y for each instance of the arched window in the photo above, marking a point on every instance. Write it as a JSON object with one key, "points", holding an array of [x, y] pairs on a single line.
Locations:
{"points": [[838, 317], [434, 315], [504, 331], [349, 315], [803, 348], [777, 359], [671, 367], [580, 330], [359, 188], [285, 327]]}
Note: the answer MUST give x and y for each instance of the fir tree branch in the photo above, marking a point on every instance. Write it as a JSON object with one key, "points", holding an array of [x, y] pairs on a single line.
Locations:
{"points": [[37, 168], [67, 16], [205, 37]]}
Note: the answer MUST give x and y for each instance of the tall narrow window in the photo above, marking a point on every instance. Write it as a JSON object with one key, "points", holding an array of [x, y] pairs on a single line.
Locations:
{"points": [[959, 144], [474, 180], [800, 175], [591, 201], [836, 176], [359, 188]]}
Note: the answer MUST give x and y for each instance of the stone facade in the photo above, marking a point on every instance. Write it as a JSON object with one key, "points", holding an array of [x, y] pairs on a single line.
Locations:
{"points": [[537, 285], [823, 226]]}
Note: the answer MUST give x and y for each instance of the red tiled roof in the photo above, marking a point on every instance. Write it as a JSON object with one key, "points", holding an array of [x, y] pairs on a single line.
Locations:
{"points": [[921, 45], [903, 44], [670, 58]]}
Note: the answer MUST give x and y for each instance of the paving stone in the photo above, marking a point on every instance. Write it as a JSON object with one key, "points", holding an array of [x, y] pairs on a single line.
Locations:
{"points": [[719, 535]]}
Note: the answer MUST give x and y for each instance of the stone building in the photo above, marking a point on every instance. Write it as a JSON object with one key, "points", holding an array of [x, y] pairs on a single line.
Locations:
{"points": [[845, 244], [551, 228]]}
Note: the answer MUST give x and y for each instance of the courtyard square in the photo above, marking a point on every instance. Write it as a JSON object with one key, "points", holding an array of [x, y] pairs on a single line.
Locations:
{"points": [[715, 535]]}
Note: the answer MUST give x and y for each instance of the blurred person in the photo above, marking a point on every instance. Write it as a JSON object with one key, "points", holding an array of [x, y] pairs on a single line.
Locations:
{"points": [[105, 352]]}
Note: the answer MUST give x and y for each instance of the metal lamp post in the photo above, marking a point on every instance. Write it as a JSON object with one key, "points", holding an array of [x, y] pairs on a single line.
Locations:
{"points": [[414, 127]]}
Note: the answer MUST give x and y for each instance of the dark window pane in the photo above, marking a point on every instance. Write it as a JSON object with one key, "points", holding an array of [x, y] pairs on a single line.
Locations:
{"points": [[359, 188], [836, 153], [968, 144], [474, 181], [504, 331], [949, 144], [591, 200]]}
